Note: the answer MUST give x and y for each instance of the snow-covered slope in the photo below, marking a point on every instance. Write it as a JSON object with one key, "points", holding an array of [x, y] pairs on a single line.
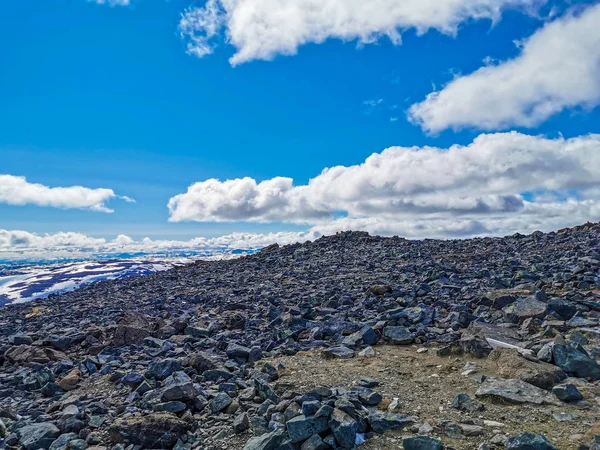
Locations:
{"points": [[24, 282]]}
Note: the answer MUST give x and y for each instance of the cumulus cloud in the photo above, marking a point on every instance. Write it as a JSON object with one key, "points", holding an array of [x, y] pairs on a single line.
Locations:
{"points": [[499, 183], [16, 190], [558, 68], [262, 29], [18, 244]]}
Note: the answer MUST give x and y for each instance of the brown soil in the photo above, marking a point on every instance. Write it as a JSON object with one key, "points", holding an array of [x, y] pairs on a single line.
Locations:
{"points": [[425, 383]]}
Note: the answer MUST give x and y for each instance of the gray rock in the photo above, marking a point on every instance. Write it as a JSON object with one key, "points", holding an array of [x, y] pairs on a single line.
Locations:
{"points": [[525, 308], [341, 352], [268, 441], [302, 427], [241, 423], [365, 336], [179, 386], [398, 335], [382, 421], [62, 443], [162, 369], [575, 362], [421, 443], [514, 391], [314, 443], [463, 402], [158, 430], [173, 407], [567, 392], [344, 428], [529, 441], [237, 351], [36, 436], [18, 339], [220, 402]]}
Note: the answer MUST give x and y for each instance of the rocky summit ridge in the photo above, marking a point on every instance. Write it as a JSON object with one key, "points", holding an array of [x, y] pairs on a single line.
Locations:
{"points": [[197, 357]]}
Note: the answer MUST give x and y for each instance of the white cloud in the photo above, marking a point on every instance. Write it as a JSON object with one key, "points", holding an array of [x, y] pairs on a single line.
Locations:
{"points": [[502, 182], [16, 190], [262, 29], [18, 244], [112, 2], [558, 68]]}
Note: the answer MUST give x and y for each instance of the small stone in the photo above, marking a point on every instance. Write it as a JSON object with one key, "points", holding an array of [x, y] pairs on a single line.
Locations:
{"points": [[567, 393], [421, 443], [338, 352], [367, 352], [220, 402], [241, 423], [395, 406]]}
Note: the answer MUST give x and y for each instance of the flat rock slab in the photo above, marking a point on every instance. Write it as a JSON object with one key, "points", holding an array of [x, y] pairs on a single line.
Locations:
{"points": [[514, 391]]}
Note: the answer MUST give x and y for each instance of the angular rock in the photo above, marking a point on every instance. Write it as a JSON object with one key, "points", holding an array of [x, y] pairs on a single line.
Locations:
{"points": [[509, 364], [129, 335], [37, 436], [162, 369], [525, 308], [341, 352], [421, 443], [514, 391], [398, 335], [268, 441], [382, 421], [220, 402], [567, 393], [529, 441], [575, 362], [344, 428], [159, 430]]}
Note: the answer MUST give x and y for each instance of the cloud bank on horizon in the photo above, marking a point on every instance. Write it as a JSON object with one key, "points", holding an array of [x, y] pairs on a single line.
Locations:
{"points": [[23, 245]]}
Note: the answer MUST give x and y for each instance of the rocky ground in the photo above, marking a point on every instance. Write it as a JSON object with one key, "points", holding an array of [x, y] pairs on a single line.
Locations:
{"points": [[349, 340]]}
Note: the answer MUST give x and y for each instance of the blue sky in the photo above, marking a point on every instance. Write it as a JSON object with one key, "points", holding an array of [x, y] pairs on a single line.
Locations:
{"points": [[106, 96]]}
